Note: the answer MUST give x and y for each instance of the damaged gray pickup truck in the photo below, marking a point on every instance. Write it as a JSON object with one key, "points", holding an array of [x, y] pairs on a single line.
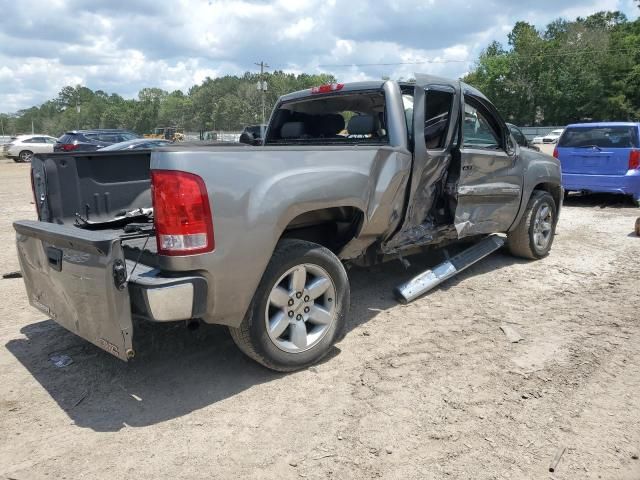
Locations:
{"points": [[257, 237]]}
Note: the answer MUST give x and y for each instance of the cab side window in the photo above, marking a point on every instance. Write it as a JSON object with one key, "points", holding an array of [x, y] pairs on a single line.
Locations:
{"points": [[436, 118], [480, 129]]}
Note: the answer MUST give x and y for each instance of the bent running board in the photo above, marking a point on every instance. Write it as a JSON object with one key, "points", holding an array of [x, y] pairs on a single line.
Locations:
{"points": [[421, 284]]}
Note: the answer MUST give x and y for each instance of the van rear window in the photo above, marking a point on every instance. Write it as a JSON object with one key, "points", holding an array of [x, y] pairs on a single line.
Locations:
{"points": [[602, 137]]}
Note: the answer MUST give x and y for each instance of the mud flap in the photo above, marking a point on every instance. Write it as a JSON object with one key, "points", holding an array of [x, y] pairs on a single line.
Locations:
{"points": [[78, 278]]}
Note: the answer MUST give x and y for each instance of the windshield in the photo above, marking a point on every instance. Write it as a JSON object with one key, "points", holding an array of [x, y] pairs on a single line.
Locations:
{"points": [[601, 137], [128, 136]]}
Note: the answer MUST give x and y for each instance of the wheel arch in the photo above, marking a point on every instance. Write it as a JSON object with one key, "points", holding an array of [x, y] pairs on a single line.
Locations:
{"points": [[547, 184], [331, 227], [554, 189]]}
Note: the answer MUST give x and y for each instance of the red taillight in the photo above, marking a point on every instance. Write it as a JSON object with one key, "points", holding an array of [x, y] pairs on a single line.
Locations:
{"points": [[182, 217], [555, 152], [634, 159], [68, 147], [328, 88]]}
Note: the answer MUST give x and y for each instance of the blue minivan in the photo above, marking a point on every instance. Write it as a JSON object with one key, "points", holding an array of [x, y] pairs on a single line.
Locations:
{"points": [[601, 157]]}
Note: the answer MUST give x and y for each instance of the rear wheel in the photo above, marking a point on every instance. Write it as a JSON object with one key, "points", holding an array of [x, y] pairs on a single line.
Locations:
{"points": [[25, 156], [533, 236], [298, 311]]}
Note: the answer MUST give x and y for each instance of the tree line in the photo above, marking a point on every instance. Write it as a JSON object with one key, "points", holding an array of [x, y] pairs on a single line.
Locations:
{"points": [[222, 103], [580, 70]]}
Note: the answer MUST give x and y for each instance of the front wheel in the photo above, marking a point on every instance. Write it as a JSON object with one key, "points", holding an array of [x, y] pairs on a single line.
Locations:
{"points": [[299, 309], [25, 156], [534, 235]]}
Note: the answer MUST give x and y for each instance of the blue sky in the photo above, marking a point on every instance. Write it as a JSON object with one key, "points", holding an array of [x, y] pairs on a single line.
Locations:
{"points": [[124, 45]]}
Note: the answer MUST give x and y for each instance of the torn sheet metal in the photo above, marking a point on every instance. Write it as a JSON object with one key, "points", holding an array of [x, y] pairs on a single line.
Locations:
{"points": [[429, 172]]}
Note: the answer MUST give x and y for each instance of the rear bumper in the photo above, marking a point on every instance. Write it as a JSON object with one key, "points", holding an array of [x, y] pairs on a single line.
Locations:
{"points": [[628, 184], [159, 298]]}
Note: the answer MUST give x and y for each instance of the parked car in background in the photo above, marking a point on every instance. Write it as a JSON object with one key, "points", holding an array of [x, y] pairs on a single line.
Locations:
{"points": [[551, 137], [4, 146], [601, 157], [90, 140], [138, 144], [520, 137], [23, 147]]}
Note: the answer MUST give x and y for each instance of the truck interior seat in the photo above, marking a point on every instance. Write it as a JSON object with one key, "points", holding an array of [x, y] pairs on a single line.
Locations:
{"points": [[292, 130], [330, 125], [363, 125]]}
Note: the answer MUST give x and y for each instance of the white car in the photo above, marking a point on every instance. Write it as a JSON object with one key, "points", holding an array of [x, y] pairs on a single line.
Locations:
{"points": [[551, 137], [23, 147]]}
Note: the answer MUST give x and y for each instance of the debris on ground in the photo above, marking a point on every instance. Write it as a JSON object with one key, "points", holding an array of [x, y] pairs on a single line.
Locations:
{"points": [[15, 274], [61, 361], [556, 458], [511, 333], [81, 398]]}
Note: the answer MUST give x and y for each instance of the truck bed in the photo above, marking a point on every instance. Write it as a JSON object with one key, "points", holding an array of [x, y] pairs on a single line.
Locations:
{"points": [[94, 185]]}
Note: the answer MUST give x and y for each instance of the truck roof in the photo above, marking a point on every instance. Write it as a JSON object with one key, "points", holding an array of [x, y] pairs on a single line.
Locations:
{"points": [[347, 87], [378, 84]]}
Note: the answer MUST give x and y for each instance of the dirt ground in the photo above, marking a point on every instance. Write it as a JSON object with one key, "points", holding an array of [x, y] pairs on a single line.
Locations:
{"points": [[426, 391]]}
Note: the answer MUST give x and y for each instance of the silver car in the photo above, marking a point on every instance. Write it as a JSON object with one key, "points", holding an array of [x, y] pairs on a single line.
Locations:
{"points": [[25, 146]]}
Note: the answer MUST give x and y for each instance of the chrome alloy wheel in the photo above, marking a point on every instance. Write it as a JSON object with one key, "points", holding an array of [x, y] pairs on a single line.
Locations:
{"points": [[301, 308], [543, 227]]}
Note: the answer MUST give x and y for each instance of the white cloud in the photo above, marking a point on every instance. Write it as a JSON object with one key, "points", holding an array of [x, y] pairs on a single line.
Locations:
{"points": [[122, 46]]}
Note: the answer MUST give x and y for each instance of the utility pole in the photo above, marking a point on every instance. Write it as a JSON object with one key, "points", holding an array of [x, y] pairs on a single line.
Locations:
{"points": [[78, 112], [262, 87]]}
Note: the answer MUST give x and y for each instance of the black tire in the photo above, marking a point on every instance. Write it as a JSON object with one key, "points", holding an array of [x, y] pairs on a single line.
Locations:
{"points": [[252, 337], [521, 241], [25, 156]]}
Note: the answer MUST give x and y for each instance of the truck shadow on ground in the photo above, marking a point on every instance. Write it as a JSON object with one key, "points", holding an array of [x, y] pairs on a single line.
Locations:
{"points": [[178, 371]]}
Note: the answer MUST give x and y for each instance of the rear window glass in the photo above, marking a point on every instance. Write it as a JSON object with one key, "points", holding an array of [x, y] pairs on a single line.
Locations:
{"points": [[602, 137], [344, 118]]}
